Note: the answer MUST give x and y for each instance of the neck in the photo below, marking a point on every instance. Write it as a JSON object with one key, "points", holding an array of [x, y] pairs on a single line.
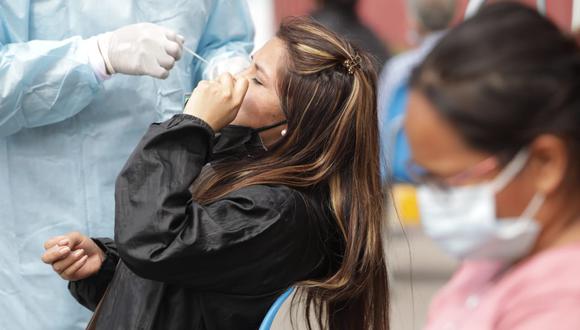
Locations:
{"points": [[571, 234], [561, 229]]}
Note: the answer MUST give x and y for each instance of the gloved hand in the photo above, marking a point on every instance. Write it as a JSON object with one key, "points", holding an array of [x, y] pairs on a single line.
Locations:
{"points": [[141, 49]]}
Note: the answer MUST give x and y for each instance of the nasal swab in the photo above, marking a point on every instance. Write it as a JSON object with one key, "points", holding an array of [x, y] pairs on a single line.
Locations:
{"points": [[195, 55]]}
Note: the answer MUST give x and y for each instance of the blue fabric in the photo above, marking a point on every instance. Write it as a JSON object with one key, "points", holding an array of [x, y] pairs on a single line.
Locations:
{"points": [[64, 134], [392, 102], [269, 318], [394, 144]]}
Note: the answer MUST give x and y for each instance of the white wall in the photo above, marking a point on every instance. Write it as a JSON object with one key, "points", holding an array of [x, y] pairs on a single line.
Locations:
{"points": [[262, 12]]}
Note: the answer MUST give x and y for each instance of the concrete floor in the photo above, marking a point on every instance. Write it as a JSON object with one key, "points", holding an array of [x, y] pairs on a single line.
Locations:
{"points": [[418, 269]]}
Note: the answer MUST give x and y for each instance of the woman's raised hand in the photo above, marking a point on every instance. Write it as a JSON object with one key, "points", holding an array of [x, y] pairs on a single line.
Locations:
{"points": [[217, 102], [73, 256]]}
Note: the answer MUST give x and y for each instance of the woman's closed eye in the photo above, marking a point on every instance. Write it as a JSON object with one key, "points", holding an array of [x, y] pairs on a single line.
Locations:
{"points": [[256, 81]]}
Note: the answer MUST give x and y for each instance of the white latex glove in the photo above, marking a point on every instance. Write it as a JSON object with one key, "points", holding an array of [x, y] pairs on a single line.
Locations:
{"points": [[141, 49]]}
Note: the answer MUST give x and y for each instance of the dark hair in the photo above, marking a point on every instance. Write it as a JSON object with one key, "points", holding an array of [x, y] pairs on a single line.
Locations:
{"points": [[328, 91], [504, 77]]}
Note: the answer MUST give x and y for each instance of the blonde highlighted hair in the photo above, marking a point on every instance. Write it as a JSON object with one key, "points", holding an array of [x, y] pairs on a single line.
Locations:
{"points": [[328, 92]]}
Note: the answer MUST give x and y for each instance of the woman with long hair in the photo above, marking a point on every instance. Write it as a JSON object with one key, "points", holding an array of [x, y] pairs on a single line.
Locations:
{"points": [[255, 188]]}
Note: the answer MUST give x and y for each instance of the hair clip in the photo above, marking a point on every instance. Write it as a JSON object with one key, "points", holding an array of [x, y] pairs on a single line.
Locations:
{"points": [[352, 64]]}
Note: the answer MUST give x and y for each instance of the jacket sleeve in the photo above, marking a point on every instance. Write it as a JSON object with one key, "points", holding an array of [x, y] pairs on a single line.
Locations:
{"points": [[250, 236], [229, 33], [88, 292]]}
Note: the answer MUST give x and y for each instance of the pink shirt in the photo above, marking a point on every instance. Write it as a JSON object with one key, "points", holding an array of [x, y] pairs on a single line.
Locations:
{"points": [[542, 293]]}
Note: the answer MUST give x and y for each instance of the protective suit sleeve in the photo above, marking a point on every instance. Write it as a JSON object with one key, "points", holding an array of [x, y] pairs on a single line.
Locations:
{"points": [[43, 82], [228, 37]]}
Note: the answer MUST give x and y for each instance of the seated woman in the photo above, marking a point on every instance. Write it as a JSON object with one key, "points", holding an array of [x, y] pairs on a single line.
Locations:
{"points": [[211, 229], [494, 125]]}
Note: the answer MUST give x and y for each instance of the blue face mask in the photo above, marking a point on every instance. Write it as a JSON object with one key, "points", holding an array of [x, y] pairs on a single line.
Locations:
{"points": [[463, 220]]}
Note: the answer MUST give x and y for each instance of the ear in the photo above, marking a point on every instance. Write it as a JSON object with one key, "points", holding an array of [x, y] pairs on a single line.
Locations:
{"points": [[549, 159]]}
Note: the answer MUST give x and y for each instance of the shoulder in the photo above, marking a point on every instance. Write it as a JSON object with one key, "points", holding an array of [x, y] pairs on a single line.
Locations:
{"points": [[274, 196], [287, 205], [548, 272], [544, 290], [275, 202]]}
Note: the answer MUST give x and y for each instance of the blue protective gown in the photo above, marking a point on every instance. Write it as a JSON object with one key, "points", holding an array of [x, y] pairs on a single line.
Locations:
{"points": [[65, 134]]}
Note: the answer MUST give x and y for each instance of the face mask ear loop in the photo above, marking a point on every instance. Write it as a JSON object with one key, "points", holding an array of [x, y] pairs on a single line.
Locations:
{"points": [[534, 206], [265, 128], [510, 171]]}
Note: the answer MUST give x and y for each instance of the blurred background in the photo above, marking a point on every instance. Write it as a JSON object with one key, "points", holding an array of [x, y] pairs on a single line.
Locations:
{"points": [[389, 19], [418, 268]]}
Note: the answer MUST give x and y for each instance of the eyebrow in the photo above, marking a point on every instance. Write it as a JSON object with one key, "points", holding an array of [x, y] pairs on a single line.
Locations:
{"points": [[261, 69]]}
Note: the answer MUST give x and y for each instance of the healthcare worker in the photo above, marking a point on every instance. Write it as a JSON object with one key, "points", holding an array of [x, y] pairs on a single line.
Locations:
{"points": [[79, 85], [493, 124]]}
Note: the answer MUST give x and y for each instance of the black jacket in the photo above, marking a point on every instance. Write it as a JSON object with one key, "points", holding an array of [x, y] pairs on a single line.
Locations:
{"points": [[176, 264]]}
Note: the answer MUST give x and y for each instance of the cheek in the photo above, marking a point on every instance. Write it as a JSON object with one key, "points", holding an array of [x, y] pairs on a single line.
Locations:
{"points": [[259, 108], [251, 103], [512, 201], [248, 110]]}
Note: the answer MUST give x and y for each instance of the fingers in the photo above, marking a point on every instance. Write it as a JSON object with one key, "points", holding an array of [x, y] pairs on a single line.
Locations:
{"points": [[55, 240], [240, 89], [55, 253], [180, 39], [175, 44], [63, 264], [71, 240], [68, 273], [171, 35], [202, 84], [165, 61], [174, 49], [228, 81], [159, 72]]}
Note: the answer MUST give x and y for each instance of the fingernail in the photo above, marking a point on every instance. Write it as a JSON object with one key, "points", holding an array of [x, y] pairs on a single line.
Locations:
{"points": [[63, 242], [78, 252], [63, 250]]}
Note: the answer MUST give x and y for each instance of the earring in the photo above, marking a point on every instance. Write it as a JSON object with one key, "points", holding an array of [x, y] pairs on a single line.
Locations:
{"points": [[284, 131]]}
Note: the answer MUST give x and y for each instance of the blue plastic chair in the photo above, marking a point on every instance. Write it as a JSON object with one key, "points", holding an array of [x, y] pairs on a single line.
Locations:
{"points": [[269, 318]]}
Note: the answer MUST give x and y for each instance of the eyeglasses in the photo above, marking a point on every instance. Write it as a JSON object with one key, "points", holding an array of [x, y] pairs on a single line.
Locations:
{"points": [[421, 176]]}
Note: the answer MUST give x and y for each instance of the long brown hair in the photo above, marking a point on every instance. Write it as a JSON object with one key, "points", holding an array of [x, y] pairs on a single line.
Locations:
{"points": [[328, 92]]}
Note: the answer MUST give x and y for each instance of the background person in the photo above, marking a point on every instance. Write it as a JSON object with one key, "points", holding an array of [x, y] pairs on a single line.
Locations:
{"points": [[493, 125], [430, 19]]}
